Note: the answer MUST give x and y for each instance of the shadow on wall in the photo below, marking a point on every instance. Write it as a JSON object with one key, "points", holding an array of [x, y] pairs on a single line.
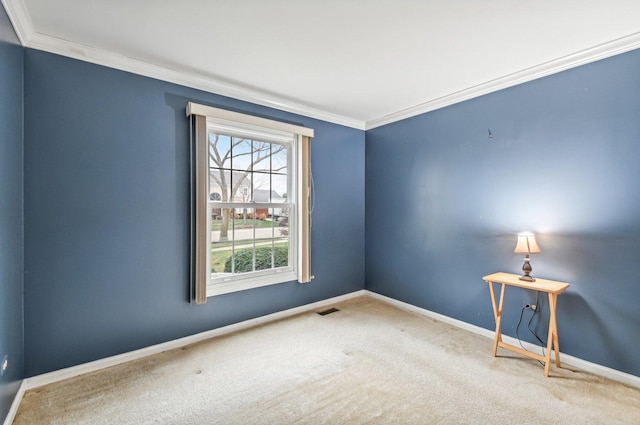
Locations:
{"points": [[575, 308]]}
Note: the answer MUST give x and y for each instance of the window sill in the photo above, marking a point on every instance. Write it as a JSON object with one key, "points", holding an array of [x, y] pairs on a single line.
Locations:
{"points": [[220, 288]]}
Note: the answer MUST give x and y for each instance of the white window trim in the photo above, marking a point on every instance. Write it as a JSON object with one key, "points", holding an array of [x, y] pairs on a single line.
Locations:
{"points": [[299, 268], [223, 114]]}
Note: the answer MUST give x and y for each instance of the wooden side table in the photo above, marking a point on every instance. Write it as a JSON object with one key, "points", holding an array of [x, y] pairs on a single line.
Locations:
{"points": [[552, 288]]}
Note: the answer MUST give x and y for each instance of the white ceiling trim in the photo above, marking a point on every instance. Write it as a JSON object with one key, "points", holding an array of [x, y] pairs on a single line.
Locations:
{"points": [[112, 60], [583, 57], [20, 19], [19, 16], [23, 26]]}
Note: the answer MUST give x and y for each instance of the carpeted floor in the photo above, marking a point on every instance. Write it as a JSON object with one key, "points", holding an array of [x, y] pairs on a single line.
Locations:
{"points": [[369, 363]]}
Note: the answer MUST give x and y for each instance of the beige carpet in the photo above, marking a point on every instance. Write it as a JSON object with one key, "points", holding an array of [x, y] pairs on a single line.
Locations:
{"points": [[369, 363]]}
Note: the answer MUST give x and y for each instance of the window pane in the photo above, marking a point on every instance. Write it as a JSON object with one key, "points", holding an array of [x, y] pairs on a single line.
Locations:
{"points": [[261, 156], [279, 188], [219, 151], [221, 242], [261, 187], [219, 185], [241, 154], [279, 159], [281, 239], [243, 236], [240, 187]]}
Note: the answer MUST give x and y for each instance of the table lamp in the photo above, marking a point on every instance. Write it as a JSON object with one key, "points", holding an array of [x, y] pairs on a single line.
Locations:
{"points": [[526, 245]]}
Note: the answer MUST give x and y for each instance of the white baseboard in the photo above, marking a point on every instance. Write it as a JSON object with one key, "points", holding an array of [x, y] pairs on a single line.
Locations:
{"points": [[8, 420], [59, 375], [70, 372], [594, 368]]}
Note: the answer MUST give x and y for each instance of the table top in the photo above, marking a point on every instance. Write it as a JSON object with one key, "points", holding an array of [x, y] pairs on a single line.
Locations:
{"points": [[543, 285]]}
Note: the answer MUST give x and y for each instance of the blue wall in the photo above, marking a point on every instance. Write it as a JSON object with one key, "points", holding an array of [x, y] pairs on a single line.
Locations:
{"points": [[444, 203], [106, 215], [11, 215], [106, 210]]}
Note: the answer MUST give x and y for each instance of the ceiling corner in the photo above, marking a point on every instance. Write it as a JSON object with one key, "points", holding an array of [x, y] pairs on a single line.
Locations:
{"points": [[593, 54], [20, 19], [23, 26]]}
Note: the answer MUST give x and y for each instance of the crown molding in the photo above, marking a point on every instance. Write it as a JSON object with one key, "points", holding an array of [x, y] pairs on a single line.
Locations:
{"points": [[23, 26], [573, 60], [189, 79], [21, 21]]}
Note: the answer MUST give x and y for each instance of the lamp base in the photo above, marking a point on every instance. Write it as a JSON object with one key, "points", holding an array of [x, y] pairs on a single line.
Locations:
{"points": [[526, 269]]}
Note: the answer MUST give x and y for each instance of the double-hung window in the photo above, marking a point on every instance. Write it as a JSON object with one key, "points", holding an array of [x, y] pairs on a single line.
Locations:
{"points": [[250, 202]]}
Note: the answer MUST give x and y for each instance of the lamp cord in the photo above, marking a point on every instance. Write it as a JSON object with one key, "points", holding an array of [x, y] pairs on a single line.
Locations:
{"points": [[529, 326], [542, 344]]}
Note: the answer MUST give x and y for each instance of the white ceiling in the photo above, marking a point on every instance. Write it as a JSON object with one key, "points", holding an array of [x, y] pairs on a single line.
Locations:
{"points": [[361, 63]]}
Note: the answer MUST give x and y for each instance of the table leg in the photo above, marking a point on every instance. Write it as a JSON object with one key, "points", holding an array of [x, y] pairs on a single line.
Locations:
{"points": [[497, 315], [552, 339], [553, 322]]}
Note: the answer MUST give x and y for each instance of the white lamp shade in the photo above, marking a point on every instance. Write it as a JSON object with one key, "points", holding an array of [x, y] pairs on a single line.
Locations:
{"points": [[526, 244]]}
